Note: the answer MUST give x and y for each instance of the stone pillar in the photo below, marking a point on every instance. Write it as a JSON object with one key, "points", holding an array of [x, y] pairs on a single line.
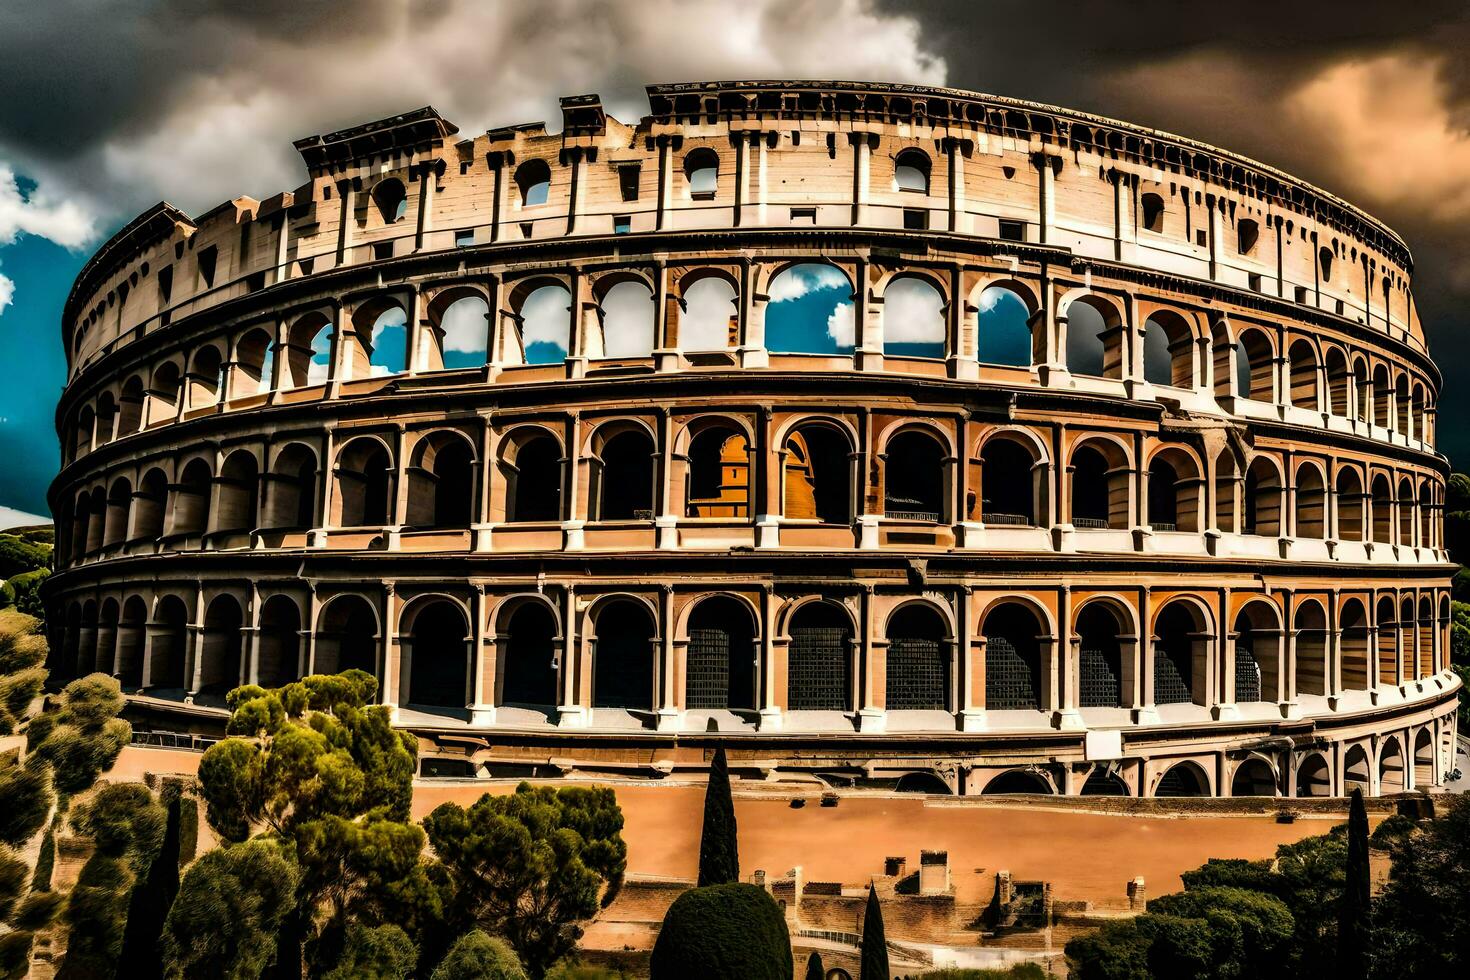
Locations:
{"points": [[872, 670], [571, 713], [668, 706], [482, 662], [773, 666]]}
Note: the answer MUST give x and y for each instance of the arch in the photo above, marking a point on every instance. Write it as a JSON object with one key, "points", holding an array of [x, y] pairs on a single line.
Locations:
{"points": [[819, 658], [702, 173], [918, 667], [542, 311], [1424, 760], [379, 339], [1357, 771], [106, 637], [1094, 337], [461, 325], [624, 639], [626, 312], [132, 636], [1255, 377], [191, 498], [439, 667], [1183, 779], [722, 663], [254, 363], [1103, 677], [1153, 211], [911, 171], [163, 392], [1013, 674], [531, 461], [623, 476], [441, 481], [1100, 481], [1417, 420], [1310, 624], [150, 504], [915, 476], [1364, 388], [239, 491], [1426, 511], [309, 350], [168, 645], [82, 435], [347, 636], [391, 199], [1101, 781], [290, 500], [1354, 645], [709, 313], [221, 647], [1263, 493], [718, 472], [130, 406], [1254, 777], [1016, 782], [530, 640], [1351, 525], [1012, 478], [1406, 503], [1311, 502], [206, 377], [279, 660], [1401, 404], [1181, 653], [119, 505], [106, 418], [1382, 392], [1302, 364], [816, 474], [913, 317], [928, 783], [1390, 643], [1003, 326], [364, 491], [1168, 350], [97, 523], [533, 179], [1390, 767], [1426, 638], [809, 310], [1175, 489], [1382, 510], [1339, 383], [1258, 652], [1314, 776]]}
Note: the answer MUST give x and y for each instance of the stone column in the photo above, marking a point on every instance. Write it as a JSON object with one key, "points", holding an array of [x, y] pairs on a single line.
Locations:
{"points": [[482, 662]]}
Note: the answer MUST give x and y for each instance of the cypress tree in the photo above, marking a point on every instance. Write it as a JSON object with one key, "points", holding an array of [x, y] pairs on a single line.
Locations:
{"points": [[152, 897], [814, 969], [1353, 909], [719, 851], [874, 962]]}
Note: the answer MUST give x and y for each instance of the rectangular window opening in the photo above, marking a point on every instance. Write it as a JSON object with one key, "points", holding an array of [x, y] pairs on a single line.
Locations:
{"points": [[208, 257], [622, 224], [806, 216], [628, 174], [915, 219], [383, 250], [1012, 231], [464, 239]]}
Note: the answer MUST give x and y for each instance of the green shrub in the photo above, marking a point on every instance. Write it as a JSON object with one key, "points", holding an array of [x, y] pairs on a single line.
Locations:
{"points": [[381, 953], [733, 931], [479, 956]]}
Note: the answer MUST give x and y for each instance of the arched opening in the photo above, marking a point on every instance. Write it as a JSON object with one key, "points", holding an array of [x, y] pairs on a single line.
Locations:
{"points": [[106, 417], [911, 171], [1168, 351], [463, 330], [718, 483], [922, 782], [1099, 482], [918, 660], [702, 172], [441, 483], [816, 475], [280, 642], [1257, 654], [530, 671], [1180, 655], [363, 495], [1263, 498], [1364, 388], [132, 636], [97, 524], [391, 199], [1311, 649], [1313, 778], [169, 645], [191, 498], [254, 361], [622, 666], [1406, 513], [1183, 779], [1357, 772], [291, 498], [82, 434], [130, 407], [914, 477], [1008, 470], [1390, 650], [544, 314], [106, 656], [709, 314], [1426, 515], [1102, 782], [1248, 232], [1350, 497], [1100, 670], [1017, 782], [1423, 760], [309, 350], [1324, 262], [624, 481], [810, 311], [1401, 404], [1426, 638], [1255, 363], [913, 318], [1003, 328], [1173, 491], [1416, 422], [1354, 644], [347, 637], [1382, 510], [438, 675], [1012, 658], [149, 505], [239, 491], [1382, 392], [379, 340], [532, 466], [533, 179], [1152, 206], [721, 666], [1094, 339], [119, 503], [1311, 502], [626, 312], [1254, 777], [206, 378], [221, 647], [163, 395], [1339, 383], [1390, 768], [819, 659], [1303, 366]]}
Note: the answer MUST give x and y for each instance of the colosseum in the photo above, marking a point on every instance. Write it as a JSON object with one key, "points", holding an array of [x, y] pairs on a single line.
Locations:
{"points": [[889, 436]]}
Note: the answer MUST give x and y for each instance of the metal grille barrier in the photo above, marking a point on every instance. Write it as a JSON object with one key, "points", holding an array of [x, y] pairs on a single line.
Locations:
{"points": [[1171, 683], [1014, 520], [1247, 673], [817, 668], [1099, 683], [709, 669], [1091, 523], [1010, 675], [173, 740], [927, 516], [918, 674]]}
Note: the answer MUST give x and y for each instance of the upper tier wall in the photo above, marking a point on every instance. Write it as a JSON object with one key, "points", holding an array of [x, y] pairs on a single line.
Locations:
{"points": [[784, 154]]}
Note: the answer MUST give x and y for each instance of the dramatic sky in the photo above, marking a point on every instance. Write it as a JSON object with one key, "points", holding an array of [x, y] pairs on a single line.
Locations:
{"points": [[108, 107]]}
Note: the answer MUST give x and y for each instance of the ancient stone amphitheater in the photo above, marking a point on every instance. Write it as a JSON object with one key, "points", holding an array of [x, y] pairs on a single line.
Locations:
{"points": [[887, 435]]}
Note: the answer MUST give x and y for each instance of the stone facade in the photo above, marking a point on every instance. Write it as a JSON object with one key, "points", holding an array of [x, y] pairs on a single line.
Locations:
{"points": [[1172, 527]]}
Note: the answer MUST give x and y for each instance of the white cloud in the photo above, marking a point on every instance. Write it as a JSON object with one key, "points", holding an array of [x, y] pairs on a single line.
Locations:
{"points": [[799, 280], [546, 317], [840, 326], [7, 291], [465, 327], [40, 214], [704, 323], [913, 312], [627, 321]]}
